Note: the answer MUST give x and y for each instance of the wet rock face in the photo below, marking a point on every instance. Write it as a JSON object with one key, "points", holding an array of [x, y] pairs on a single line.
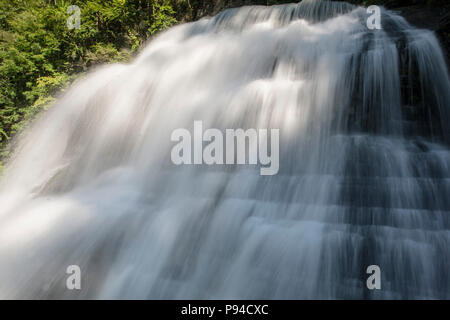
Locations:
{"points": [[422, 17]]}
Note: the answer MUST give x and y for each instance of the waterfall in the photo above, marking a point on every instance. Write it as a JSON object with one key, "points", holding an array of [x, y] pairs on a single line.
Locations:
{"points": [[364, 173]]}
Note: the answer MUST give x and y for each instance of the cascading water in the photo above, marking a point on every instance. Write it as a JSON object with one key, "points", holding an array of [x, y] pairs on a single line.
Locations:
{"points": [[364, 166]]}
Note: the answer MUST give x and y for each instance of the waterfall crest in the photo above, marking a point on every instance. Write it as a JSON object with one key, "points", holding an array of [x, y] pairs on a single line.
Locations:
{"points": [[364, 166]]}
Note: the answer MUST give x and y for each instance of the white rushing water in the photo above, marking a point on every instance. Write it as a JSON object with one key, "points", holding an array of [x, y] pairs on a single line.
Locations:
{"points": [[364, 166]]}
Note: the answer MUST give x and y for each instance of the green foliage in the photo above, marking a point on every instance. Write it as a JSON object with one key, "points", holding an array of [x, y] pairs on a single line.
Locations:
{"points": [[162, 19], [40, 55]]}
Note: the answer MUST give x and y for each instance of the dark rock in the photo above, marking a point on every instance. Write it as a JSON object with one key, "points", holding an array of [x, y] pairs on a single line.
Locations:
{"points": [[435, 18]]}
